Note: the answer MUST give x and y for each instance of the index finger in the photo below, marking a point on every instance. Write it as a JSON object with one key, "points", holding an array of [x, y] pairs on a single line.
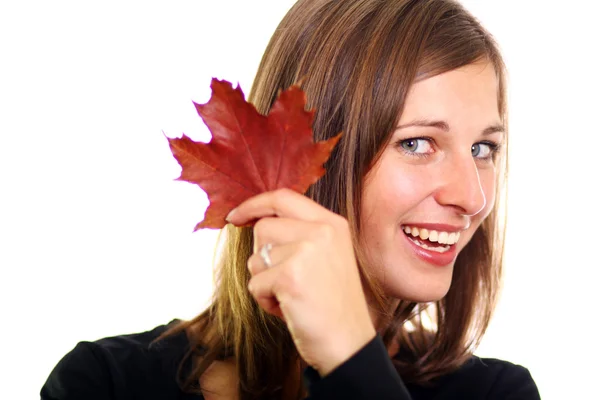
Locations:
{"points": [[280, 203]]}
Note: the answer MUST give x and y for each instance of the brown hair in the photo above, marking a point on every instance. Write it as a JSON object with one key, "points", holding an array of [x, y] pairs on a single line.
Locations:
{"points": [[357, 60]]}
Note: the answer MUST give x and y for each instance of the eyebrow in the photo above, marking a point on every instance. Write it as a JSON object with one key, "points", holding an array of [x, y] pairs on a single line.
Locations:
{"points": [[443, 125]]}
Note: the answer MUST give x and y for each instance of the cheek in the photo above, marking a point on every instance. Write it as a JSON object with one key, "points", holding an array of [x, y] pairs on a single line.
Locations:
{"points": [[390, 192]]}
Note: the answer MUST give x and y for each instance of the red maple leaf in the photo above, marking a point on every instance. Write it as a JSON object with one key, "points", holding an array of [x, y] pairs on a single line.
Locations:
{"points": [[250, 153]]}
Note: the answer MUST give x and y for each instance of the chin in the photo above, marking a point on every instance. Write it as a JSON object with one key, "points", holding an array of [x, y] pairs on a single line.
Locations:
{"points": [[419, 290], [424, 297]]}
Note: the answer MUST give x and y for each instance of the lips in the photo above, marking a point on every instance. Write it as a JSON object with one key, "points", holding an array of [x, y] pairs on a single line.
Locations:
{"points": [[432, 257]]}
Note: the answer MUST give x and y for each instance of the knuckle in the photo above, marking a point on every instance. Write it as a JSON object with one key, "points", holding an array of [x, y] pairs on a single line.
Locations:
{"points": [[249, 264], [283, 192], [252, 263], [342, 223], [306, 247], [260, 228], [281, 196], [325, 232], [342, 226]]}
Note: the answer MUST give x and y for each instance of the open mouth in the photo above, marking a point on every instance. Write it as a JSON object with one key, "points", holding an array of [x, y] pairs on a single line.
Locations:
{"points": [[431, 240]]}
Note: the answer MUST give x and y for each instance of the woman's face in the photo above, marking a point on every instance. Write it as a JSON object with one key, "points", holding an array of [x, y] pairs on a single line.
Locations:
{"points": [[434, 183]]}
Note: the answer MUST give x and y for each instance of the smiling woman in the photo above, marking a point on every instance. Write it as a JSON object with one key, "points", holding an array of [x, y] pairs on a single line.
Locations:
{"points": [[434, 183], [328, 294]]}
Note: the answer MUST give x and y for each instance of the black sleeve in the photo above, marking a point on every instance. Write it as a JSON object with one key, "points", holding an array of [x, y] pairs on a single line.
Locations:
{"points": [[80, 374], [514, 383], [368, 374]]}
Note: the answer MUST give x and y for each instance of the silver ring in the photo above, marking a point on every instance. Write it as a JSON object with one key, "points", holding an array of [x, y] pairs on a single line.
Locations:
{"points": [[264, 254]]}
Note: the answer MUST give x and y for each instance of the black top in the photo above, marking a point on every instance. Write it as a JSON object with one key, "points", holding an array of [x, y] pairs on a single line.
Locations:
{"points": [[126, 367]]}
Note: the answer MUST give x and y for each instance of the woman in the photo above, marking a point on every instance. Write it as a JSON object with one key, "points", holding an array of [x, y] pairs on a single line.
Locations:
{"points": [[381, 281]]}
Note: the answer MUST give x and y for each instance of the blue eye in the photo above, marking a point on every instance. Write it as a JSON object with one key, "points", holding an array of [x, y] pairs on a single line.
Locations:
{"points": [[416, 146], [484, 150], [422, 147]]}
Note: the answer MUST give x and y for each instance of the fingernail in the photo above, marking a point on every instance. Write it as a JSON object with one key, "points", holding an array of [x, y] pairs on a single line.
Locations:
{"points": [[231, 213]]}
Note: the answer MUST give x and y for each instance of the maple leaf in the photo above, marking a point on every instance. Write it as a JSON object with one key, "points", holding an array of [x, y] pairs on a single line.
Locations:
{"points": [[250, 153]]}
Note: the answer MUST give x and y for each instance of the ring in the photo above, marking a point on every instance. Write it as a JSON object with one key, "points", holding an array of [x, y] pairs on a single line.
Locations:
{"points": [[264, 254]]}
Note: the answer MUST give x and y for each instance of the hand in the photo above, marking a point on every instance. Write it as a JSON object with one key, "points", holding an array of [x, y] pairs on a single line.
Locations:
{"points": [[314, 284]]}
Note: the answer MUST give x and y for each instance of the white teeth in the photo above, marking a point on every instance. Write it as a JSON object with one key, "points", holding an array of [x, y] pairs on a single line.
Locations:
{"points": [[448, 238], [443, 238], [439, 249], [451, 238], [433, 236]]}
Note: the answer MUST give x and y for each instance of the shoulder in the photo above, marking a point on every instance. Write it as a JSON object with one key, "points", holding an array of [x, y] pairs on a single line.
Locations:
{"points": [[488, 378], [129, 363], [81, 372], [503, 378]]}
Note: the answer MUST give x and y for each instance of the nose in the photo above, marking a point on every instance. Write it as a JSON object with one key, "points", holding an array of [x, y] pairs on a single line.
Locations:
{"points": [[461, 186]]}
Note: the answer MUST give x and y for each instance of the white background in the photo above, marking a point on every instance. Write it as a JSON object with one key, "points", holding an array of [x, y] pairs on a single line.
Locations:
{"points": [[96, 236]]}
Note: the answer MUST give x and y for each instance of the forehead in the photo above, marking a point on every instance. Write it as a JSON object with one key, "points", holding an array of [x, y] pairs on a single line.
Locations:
{"points": [[468, 93]]}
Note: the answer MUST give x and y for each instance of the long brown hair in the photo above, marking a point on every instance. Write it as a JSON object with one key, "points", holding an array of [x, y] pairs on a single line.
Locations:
{"points": [[356, 60]]}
